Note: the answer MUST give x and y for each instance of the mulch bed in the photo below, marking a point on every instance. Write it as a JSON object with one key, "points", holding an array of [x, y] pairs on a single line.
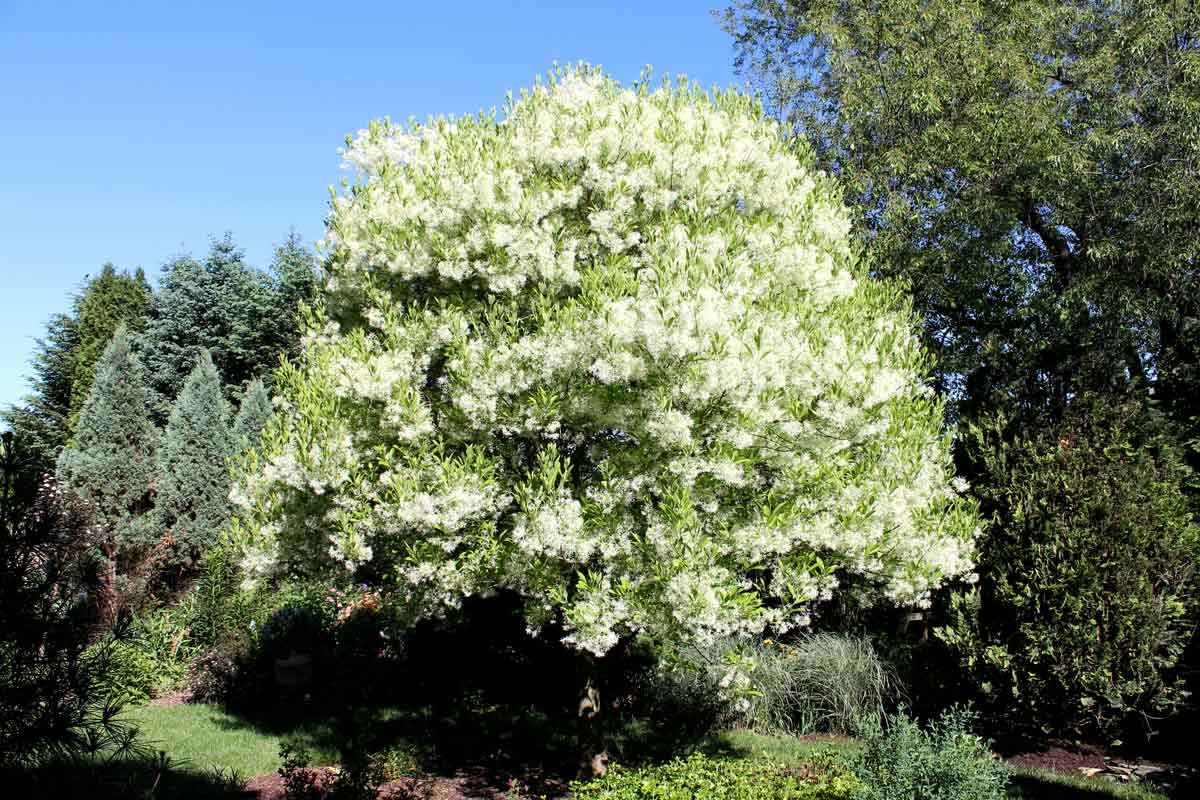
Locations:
{"points": [[1094, 761], [467, 785]]}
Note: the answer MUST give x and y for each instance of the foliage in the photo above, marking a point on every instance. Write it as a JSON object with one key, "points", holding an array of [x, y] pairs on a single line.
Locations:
{"points": [[820, 682], [1087, 572], [900, 761], [216, 604], [107, 301], [293, 628], [192, 503], [357, 778], [699, 775], [254, 412], [223, 305], [41, 424], [63, 363], [224, 673], [297, 284], [110, 460], [131, 674], [630, 368], [51, 705], [1030, 168]]}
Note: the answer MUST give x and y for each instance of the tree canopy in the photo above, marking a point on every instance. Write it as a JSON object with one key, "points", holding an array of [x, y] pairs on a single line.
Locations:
{"points": [[615, 352], [1030, 168]]}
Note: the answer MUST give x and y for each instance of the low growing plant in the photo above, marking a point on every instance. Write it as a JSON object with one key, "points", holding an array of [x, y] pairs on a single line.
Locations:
{"points": [[900, 760], [712, 778]]}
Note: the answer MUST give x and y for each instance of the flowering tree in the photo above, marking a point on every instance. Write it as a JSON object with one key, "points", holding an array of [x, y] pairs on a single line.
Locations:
{"points": [[612, 350]]}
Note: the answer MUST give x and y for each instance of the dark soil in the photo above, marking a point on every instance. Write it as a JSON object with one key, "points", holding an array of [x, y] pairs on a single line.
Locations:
{"points": [[467, 785]]}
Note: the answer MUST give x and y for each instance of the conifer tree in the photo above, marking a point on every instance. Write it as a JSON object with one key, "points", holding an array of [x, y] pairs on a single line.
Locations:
{"points": [[110, 460], [107, 300], [253, 415], [193, 485]]}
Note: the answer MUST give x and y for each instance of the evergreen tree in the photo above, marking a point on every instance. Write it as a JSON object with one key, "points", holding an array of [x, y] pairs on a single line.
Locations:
{"points": [[192, 504], [40, 425], [63, 365], [297, 283], [253, 415], [110, 460], [224, 306], [109, 299]]}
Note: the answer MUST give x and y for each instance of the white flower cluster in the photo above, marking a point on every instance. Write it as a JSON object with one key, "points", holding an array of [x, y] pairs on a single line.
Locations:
{"points": [[615, 332]]}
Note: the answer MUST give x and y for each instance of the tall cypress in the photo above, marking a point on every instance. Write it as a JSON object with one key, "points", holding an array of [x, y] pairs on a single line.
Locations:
{"points": [[192, 504], [110, 460]]}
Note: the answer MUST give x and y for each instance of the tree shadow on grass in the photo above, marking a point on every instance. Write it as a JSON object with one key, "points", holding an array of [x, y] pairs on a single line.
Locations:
{"points": [[147, 778]]}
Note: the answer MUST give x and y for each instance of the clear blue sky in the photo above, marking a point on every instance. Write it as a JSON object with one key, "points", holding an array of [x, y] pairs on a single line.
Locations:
{"points": [[131, 131]]}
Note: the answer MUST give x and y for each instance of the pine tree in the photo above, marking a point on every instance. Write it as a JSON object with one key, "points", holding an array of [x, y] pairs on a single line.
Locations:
{"points": [[110, 460], [253, 415], [297, 283], [222, 305], [40, 425], [193, 490], [109, 299]]}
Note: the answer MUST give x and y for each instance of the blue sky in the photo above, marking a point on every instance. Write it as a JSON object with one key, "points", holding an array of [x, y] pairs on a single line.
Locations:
{"points": [[130, 132]]}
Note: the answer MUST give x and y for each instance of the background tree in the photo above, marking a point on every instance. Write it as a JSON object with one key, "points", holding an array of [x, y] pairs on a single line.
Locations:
{"points": [[242, 316], [253, 415], [62, 370], [41, 424], [297, 283], [1030, 168], [110, 460], [192, 503], [107, 301]]}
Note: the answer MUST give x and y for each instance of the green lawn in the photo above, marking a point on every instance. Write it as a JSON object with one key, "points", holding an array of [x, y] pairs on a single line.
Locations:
{"points": [[204, 738]]}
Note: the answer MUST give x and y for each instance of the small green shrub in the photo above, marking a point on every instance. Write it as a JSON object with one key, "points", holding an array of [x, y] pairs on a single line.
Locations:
{"points": [[217, 604], [357, 778], [720, 779], [132, 673], [902, 761]]}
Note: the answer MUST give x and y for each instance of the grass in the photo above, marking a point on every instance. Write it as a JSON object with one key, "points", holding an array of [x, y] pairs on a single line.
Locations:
{"points": [[205, 737]]}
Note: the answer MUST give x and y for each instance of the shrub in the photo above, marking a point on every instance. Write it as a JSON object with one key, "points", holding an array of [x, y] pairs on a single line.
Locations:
{"points": [[821, 682], [296, 627], [224, 674], [51, 703], [132, 674], [719, 779], [357, 778], [902, 761], [216, 603], [1087, 596]]}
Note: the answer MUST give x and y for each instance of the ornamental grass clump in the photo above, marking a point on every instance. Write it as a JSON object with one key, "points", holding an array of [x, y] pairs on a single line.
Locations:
{"points": [[613, 350]]}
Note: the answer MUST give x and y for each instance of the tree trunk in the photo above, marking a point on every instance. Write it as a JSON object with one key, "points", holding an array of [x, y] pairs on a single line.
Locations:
{"points": [[593, 760], [104, 599]]}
